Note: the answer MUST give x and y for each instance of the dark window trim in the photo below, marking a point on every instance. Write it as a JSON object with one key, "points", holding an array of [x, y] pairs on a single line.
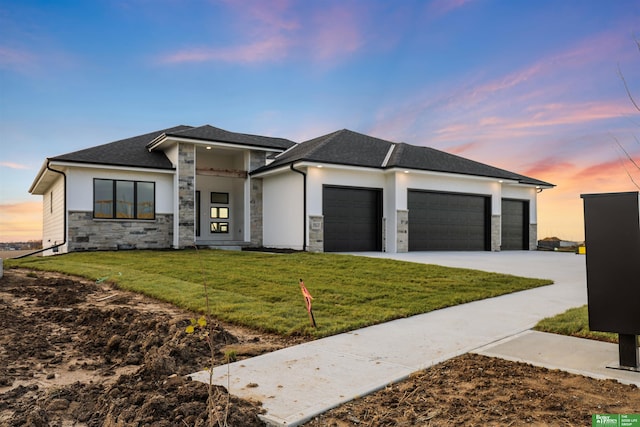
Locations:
{"points": [[219, 225], [198, 213], [114, 198], [224, 196]]}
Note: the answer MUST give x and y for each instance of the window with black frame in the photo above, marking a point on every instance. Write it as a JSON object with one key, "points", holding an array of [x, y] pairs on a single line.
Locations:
{"points": [[121, 199], [219, 215]]}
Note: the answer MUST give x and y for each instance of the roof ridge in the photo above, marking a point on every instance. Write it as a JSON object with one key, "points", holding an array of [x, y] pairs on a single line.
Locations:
{"points": [[229, 132], [320, 142]]}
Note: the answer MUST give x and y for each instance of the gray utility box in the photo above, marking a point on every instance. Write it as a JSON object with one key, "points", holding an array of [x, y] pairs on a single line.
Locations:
{"points": [[612, 237]]}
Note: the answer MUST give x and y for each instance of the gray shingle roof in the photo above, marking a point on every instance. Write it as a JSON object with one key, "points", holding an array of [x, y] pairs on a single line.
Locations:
{"points": [[342, 147], [346, 147], [130, 152], [425, 158], [133, 152], [210, 133]]}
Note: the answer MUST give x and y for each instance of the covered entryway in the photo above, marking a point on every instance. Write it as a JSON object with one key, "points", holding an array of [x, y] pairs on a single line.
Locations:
{"points": [[352, 219], [515, 225], [441, 221]]}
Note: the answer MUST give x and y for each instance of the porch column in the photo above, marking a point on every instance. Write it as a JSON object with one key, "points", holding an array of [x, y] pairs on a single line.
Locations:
{"points": [[533, 237], [402, 231], [496, 232], [256, 159], [316, 233], [186, 195]]}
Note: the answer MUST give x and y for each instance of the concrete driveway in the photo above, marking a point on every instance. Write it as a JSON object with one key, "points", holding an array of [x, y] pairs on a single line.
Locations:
{"points": [[565, 269]]}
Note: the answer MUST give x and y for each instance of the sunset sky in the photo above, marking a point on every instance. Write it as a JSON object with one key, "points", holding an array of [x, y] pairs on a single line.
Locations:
{"points": [[528, 86]]}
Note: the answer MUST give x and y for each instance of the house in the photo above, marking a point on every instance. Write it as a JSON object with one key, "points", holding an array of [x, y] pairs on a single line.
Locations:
{"points": [[344, 191]]}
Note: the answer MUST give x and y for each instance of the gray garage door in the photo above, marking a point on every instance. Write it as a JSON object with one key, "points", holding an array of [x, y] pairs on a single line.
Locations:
{"points": [[515, 225], [448, 221], [352, 219]]}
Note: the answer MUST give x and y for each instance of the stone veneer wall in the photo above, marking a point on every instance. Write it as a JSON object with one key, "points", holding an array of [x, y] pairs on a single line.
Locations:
{"points": [[402, 230], [533, 237], [496, 232], [316, 233], [256, 160], [255, 216], [87, 234], [186, 195]]}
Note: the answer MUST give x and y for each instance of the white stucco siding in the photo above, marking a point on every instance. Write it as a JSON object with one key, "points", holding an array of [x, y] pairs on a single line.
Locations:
{"points": [[53, 214], [172, 153], [283, 211], [80, 186]]}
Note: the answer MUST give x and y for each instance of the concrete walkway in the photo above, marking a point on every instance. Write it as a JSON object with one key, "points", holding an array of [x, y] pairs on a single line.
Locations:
{"points": [[297, 383]]}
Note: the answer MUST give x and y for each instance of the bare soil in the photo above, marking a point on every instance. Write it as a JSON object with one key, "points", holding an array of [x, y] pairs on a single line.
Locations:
{"points": [[78, 353]]}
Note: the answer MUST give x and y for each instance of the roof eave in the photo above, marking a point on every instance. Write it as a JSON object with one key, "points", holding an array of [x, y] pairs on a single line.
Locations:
{"points": [[283, 167], [156, 142], [209, 142], [39, 176]]}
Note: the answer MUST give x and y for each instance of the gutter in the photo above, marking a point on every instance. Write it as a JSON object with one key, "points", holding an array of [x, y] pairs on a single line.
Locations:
{"points": [[304, 206], [64, 217]]}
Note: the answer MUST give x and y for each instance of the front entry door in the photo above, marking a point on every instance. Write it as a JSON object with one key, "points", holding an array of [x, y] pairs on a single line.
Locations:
{"points": [[219, 215]]}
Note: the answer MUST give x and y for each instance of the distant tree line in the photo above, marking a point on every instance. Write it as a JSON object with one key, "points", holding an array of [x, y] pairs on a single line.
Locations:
{"points": [[21, 246]]}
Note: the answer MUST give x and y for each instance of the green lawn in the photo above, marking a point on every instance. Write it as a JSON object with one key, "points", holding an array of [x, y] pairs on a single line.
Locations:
{"points": [[260, 290], [574, 322]]}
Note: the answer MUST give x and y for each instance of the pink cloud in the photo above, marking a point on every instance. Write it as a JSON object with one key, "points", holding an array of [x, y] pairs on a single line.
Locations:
{"points": [[549, 166], [274, 31], [266, 30], [463, 148], [570, 114], [267, 50], [336, 33], [438, 8], [11, 165], [607, 170]]}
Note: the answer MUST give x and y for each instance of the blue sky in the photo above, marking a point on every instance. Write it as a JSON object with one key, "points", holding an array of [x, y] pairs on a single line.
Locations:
{"points": [[529, 86]]}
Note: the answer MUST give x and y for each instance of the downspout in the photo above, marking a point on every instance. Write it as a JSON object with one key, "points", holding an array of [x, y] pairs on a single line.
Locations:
{"points": [[64, 216], [304, 206]]}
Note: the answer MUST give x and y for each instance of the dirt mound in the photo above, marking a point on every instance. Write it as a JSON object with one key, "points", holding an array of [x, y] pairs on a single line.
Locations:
{"points": [[74, 352], [484, 391]]}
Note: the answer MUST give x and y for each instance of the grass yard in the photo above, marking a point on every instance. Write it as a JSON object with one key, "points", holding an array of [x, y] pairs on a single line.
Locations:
{"points": [[260, 290], [574, 322]]}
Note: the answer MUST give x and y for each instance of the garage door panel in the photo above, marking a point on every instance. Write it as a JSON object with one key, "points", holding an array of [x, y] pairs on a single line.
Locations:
{"points": [[515, 225], [352, 219], [447, 221]]}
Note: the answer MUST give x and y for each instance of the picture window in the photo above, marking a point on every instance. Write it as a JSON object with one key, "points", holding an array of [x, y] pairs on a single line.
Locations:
{"points": [[119, 199]]}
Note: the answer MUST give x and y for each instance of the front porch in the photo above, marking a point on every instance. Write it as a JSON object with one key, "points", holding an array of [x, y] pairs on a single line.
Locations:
{"points": [[227, 204]]}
